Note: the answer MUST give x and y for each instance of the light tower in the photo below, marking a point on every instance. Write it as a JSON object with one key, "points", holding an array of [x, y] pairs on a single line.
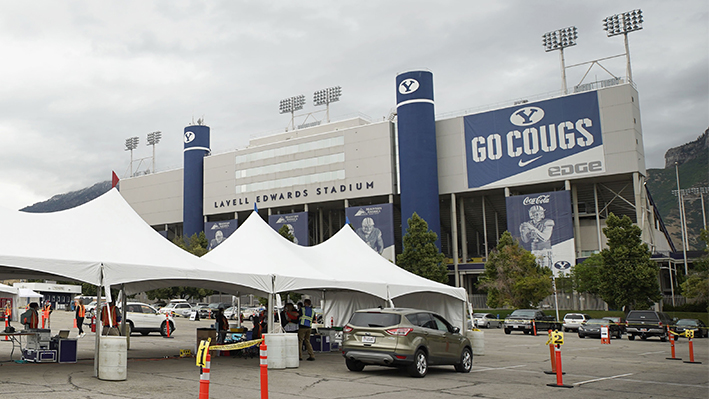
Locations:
{"points": [[290, 105], [327, 96], [154, 138], [622, 24], [558, 40], [131, 144]]}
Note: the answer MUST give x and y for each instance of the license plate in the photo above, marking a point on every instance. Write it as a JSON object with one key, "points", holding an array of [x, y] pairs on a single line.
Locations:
{"points": [[368, 340], [643, 329]]}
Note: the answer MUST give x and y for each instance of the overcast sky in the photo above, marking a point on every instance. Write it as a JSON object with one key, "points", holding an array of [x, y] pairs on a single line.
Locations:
{"points": [[79, 77]]}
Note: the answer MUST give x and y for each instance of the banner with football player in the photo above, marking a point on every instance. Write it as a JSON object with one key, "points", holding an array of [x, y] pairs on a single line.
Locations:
{"points": [[543, 225]]}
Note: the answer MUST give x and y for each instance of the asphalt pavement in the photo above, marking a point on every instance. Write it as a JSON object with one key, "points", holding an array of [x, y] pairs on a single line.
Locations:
{"points": [[512, 367]]}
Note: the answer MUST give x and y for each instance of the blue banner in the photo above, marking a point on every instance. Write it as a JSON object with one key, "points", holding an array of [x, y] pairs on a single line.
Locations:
{"points": [[543, 225], [374, 224], [297, 224], [546, 140], [217, 232]]}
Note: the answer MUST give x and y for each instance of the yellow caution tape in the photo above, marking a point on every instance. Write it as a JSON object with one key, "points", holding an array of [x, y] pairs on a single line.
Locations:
{"points": [[236, 346]]}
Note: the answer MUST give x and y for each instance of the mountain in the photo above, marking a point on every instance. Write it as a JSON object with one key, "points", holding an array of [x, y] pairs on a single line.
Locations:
{"points": [[69, 200], [693, 161]]}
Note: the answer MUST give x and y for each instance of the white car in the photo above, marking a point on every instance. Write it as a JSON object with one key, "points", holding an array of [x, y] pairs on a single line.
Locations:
{"points": [[572, 321], [486, 320], [145, 319], [179, 308]]}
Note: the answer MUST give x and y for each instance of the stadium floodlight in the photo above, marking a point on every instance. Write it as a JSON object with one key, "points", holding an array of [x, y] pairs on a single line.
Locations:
{"points": [[131, 143], [559, 40], [292, 104], [622, 24], [327, 96], [154, 138]]}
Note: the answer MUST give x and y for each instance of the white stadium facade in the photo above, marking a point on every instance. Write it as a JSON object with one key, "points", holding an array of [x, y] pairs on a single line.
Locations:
{"points": [[549, 170]]}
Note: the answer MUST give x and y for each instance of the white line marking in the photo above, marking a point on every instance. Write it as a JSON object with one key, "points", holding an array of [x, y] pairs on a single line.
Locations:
{"points": [[500, 368], [651, 353], [601, 379]]}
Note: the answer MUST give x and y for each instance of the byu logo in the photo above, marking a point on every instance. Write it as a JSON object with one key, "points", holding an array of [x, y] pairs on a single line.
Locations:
{"points": [[189, 136], [527, 116], [562, 265], [408, 86]]}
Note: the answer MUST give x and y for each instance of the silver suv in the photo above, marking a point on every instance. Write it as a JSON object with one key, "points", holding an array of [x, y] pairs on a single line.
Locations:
{"points": [[406, 338]]}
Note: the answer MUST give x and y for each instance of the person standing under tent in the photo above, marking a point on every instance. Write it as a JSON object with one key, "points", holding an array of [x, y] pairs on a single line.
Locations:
{"points": [[80, 314], [30, 318], [222, 325], [305, 323]]}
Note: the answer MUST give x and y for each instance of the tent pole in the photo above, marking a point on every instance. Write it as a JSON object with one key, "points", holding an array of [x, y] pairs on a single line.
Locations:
{"points": [[97, 312], [123, 310]]}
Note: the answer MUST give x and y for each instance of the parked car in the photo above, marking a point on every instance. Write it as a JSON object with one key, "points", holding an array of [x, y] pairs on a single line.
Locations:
{"points": [[647, 323], [406, 338], [177, 308], [249, 313], [572, 321], [214, 308], [145, 319], [698, 326], [486, 320], [526, 320], [204, 311], [231, 313], [592, 328], [617, 320]]}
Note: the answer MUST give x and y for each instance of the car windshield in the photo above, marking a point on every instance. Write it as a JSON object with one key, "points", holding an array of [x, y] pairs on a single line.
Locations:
{"points": [[573, 317], [643, 315], [685, 322], [522, 313], [598, 321], [374, 319], [478, 315]]}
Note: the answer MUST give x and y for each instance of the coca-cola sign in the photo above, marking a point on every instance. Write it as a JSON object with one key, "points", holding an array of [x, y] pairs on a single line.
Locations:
{"points": [[541, 199]]}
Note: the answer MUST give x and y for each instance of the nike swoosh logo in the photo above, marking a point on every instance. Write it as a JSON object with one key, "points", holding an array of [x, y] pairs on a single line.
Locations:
{"points": [[522, 164]]}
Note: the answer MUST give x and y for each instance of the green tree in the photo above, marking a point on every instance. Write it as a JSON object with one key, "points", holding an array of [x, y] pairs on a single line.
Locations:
{"points": [[586, 275], [285, 232], [512, 276], [420, 255], [696, 286], [627, 277], [196, 245]]}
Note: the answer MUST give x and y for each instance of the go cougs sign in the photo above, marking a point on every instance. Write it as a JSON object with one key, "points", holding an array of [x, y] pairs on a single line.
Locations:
{"points": [[548, 140]]}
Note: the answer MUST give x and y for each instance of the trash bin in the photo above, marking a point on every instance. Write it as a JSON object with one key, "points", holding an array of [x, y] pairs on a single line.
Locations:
{"points": [[113, 358]]}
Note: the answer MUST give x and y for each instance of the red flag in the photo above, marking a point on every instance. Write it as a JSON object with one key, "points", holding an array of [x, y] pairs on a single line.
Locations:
{"points": [[114, 180]]}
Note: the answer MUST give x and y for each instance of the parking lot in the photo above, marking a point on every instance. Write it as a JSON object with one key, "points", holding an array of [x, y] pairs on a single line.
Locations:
{"points": [[512, 367]]}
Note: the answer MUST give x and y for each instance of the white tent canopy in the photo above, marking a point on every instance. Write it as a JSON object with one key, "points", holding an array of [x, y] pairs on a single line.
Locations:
{"points": [[105, 241], [344, 270]]}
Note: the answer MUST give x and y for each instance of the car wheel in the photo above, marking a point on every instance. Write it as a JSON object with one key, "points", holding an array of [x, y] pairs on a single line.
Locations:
{"points": [[566, 329], [663, 338], [526, 332], [507, 330], [581, 335], [144, 333], [419, 367], [631, 337], [643, 337], [466, 361], [163, 329], [487, 325], [132, 327], [354, 365]]}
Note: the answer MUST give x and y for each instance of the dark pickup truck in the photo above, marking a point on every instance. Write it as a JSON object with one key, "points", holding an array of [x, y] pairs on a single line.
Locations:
{"points": [[647, 323], [525, 320]]}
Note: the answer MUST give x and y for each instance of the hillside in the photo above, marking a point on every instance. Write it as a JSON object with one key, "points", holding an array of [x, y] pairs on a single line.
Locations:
{"points": [[693, 160], [69, 200]]}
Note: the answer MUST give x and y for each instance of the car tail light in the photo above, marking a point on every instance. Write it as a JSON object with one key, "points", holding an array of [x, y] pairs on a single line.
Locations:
{"points": [[399, 331], [400, 357], [660, 324], [347, 329]]}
